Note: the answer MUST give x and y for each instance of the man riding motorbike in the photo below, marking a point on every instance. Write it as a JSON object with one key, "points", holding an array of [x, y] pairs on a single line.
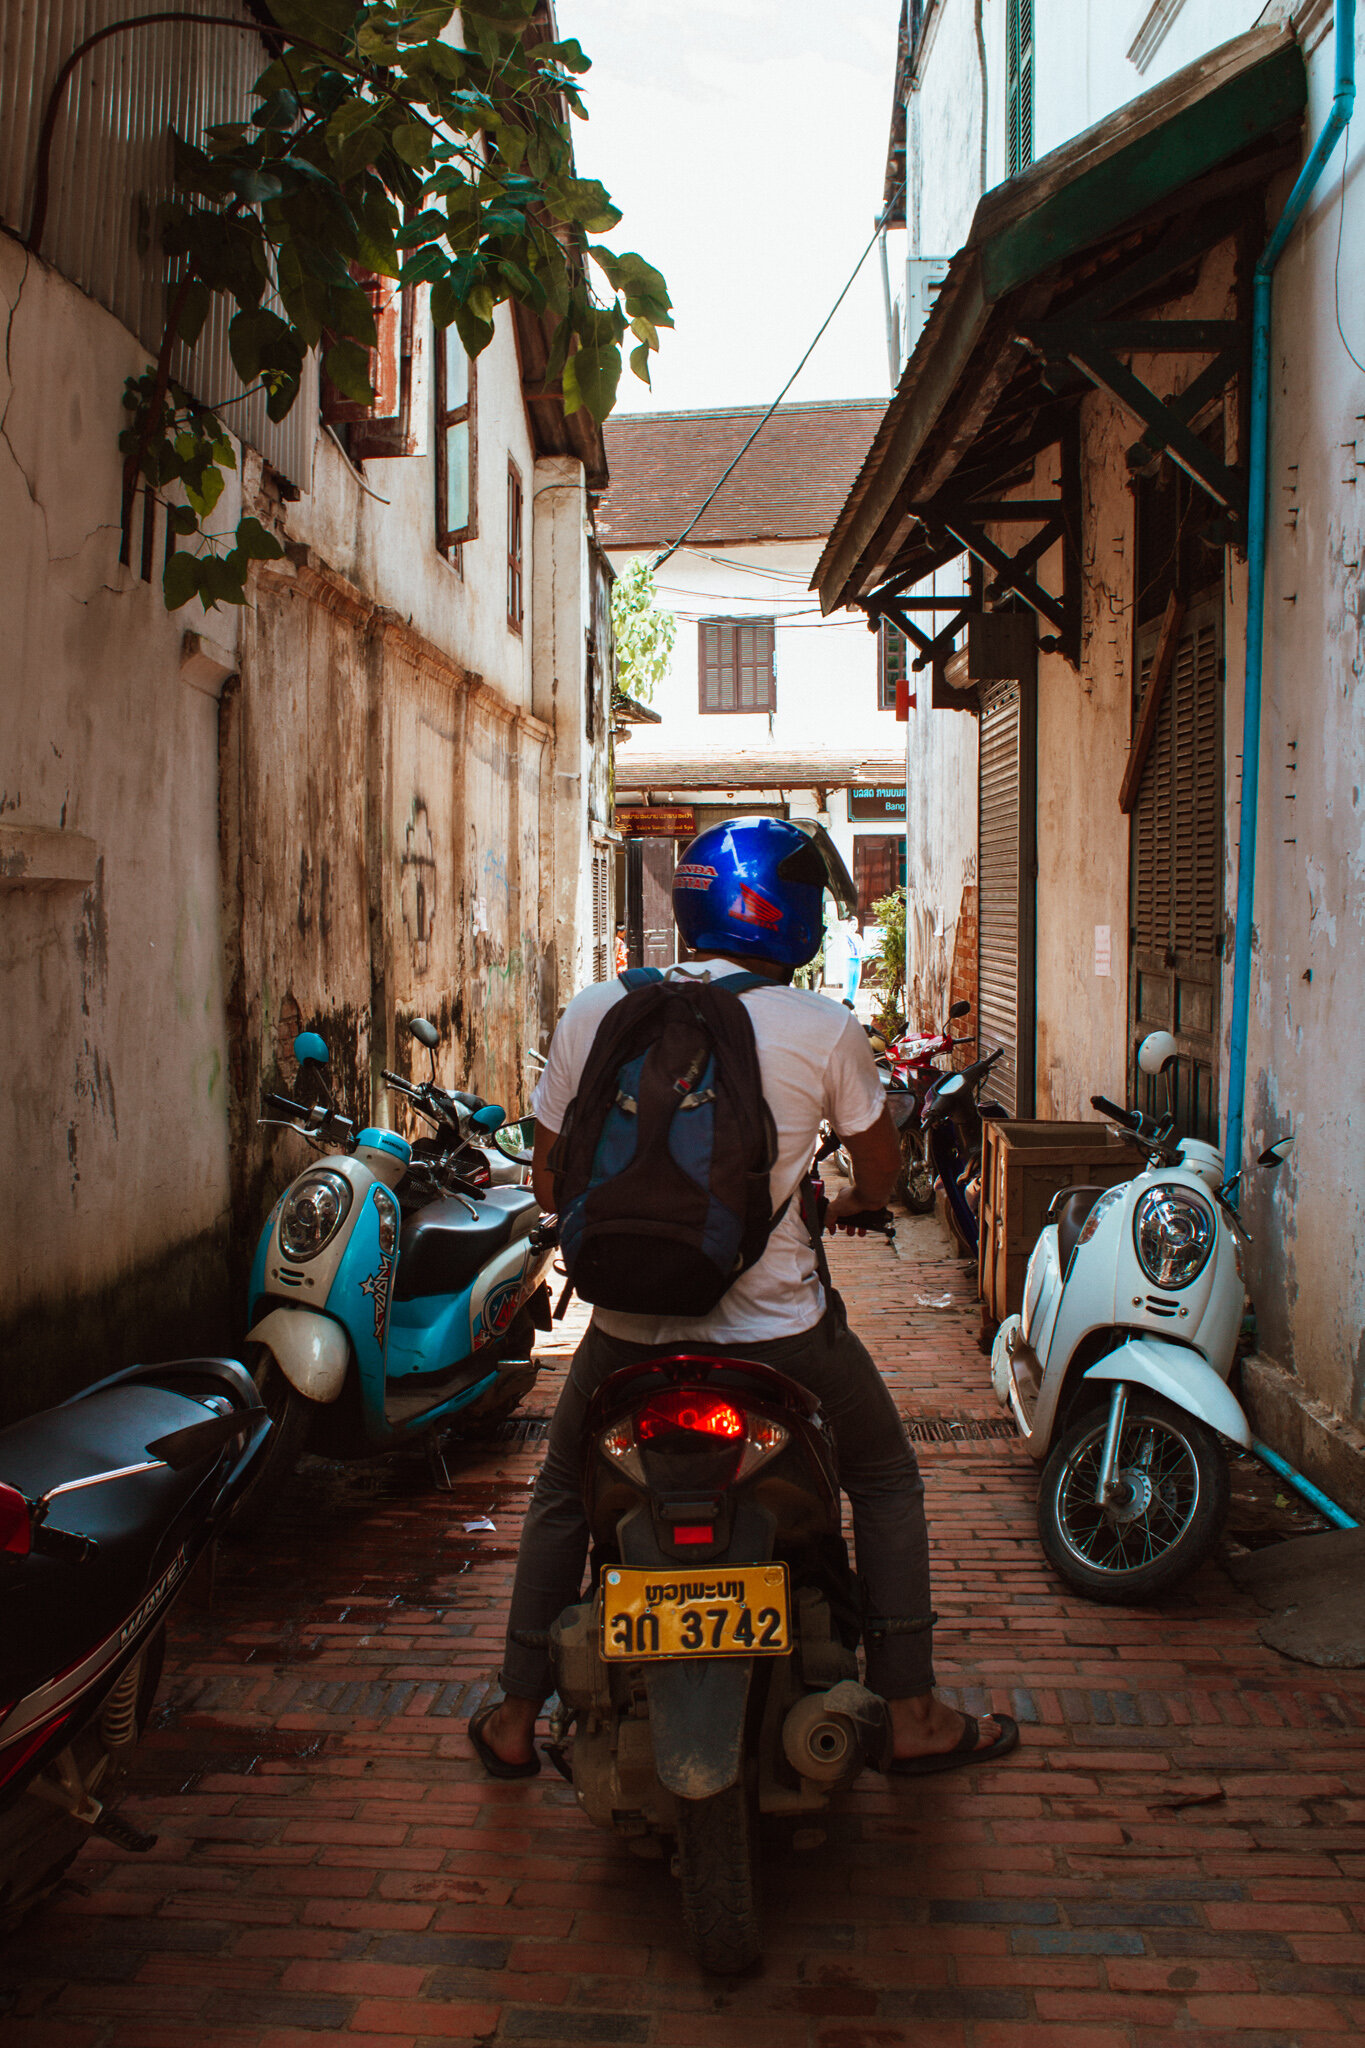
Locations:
{"points": [[748, 896]]}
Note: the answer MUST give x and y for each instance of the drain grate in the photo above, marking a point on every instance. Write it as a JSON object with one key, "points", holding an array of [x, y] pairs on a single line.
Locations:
{"points": [[954, 1429]]}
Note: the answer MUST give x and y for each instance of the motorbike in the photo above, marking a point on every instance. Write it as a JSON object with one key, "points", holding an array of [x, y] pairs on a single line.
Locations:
{"points": [[712, 1674], [1116, 1372], [909, 1073], [391, 1293], [106, 1504], [952, 1117]]}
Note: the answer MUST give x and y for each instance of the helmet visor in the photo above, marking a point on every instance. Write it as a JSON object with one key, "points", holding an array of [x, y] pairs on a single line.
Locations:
{"points": [[819, 862]]}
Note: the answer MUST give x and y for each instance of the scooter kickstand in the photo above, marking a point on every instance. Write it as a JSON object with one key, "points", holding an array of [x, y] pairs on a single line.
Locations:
{"points": [[1107, 1486]]}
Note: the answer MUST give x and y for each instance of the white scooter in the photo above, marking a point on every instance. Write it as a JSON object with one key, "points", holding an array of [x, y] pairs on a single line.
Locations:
{"points": [[1116, 1372]]}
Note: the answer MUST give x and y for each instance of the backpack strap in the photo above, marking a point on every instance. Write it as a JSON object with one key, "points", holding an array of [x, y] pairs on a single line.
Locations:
{"points": [[740, 982], [813, 1216], [639, 977]]}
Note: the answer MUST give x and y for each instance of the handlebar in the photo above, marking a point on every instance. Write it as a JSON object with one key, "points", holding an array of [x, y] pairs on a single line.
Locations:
{"points": [[1110, 1109], [284, 1107]]}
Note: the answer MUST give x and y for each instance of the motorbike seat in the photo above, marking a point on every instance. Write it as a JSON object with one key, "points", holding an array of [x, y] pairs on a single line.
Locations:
{"points": [[1073, 1205], [57, 1609], [442, 1247]]}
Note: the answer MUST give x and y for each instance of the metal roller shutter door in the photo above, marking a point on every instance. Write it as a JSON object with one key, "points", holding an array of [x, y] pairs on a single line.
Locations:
{"points": [[1005, 876]]}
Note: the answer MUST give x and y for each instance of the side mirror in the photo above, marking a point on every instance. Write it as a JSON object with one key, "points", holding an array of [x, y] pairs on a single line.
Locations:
{"points": [[960, 1009], [1276, 1154], [517, 1141], [490, 1118], [1156, 1052], [425, 1033], [954, 1085], [311, 1045]]}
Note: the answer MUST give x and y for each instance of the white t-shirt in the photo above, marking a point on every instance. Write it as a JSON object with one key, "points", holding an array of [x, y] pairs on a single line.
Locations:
{"points": [[816, 1063]]}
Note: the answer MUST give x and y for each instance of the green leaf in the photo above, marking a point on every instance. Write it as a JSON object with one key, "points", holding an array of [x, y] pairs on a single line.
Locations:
{"points": [[585, 201], [429, 226], [348, 366], [256, 186], [181, 519], [205, 491], [260, 340], [180, 580], [591, 376], [412, 141], [222, 579], [256, 543], [639, 362], [569, 54], [194, 311], [474, 333]]}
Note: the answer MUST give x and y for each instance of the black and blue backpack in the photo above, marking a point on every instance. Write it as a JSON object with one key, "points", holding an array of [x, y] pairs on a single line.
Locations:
{"points": [[665, 1154]]}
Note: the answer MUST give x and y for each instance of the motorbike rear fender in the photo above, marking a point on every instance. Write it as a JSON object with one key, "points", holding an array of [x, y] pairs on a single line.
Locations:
{"points": [[1181, 1377], [698, 1706], [311, 1351]]}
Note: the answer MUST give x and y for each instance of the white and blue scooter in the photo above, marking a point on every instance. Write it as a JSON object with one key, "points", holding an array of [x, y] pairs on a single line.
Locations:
{"points": [[390, 1294], [1116, 1372]]}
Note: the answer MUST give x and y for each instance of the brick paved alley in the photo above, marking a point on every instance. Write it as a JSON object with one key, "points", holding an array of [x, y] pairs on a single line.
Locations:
{"points": [[1177, 1847]]}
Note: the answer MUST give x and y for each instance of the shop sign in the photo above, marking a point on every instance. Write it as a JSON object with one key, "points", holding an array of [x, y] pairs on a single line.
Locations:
{"points": [[659, 821], [877, 800]]}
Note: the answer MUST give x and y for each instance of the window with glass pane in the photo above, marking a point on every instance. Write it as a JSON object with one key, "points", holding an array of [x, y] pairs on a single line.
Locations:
{"points": [[514, 547], [456, 506]]}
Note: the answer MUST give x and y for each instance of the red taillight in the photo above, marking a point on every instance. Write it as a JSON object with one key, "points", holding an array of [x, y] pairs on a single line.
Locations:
{"points": [[696, 1413], [14, 1522], [695, 1532]]}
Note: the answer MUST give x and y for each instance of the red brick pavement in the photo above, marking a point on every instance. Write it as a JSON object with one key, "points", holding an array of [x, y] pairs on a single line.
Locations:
{"points": [[1177, 1847]]}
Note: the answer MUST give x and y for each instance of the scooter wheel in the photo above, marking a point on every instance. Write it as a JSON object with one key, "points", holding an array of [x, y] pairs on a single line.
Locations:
{"points": [[715, 1868], [1178, 1490]]}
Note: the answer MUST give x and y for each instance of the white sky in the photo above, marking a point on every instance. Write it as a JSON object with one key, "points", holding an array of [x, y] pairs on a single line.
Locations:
{"points": [[745, 143]]}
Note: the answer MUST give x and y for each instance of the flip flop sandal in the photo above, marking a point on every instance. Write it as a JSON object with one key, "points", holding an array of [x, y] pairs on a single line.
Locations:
{"points": [[495, 1765], [963, 1751]]}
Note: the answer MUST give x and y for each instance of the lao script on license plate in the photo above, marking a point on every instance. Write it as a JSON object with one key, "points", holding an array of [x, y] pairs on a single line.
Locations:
{"points": [[739, 1611]]}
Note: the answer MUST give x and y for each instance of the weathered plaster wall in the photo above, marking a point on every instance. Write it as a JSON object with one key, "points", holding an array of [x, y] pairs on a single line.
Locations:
{"points": [[114, 1199], [1308, 963]]}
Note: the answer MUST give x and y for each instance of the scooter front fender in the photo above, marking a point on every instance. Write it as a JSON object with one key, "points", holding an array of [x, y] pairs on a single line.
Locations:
{"points": [[1181, 1377], [312, 1351]]}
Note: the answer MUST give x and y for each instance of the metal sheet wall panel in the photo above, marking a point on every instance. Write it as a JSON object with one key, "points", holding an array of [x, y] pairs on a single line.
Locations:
{"points": [[111, 173], [998, 863]]}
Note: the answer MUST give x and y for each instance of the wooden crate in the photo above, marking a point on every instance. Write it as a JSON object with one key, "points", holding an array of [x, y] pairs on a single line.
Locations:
{"points": [[1023, 1165]]}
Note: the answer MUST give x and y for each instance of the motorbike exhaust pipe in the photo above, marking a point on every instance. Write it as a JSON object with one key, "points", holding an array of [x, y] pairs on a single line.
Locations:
{"points": [[828, 1737]]}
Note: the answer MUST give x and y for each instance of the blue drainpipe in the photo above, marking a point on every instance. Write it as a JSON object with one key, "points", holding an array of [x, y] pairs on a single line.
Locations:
{"points": [[1257, 512]]}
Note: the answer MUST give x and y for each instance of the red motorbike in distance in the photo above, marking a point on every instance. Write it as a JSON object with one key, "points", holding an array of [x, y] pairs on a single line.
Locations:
{"points": [[908, 1071]]}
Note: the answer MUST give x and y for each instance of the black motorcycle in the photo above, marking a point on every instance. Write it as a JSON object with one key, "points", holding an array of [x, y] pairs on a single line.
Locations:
{"points": [[712, 1676], [953, 1113], [106, 1504]]}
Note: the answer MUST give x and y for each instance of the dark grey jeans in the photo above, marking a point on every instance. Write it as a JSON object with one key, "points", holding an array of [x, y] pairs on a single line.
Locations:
{"points": [[877, 1471]]}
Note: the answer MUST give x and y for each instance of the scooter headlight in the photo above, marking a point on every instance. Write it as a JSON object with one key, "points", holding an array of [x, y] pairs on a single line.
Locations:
{"points": [[1173, 1234], [314, 1210]]}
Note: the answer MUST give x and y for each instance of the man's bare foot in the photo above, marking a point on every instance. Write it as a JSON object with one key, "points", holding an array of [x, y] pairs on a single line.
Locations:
{"points": [[509, 1730], [924, 1725]]}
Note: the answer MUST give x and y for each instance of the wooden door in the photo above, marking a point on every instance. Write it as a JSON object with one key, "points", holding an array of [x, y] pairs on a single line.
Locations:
{"points": [[658, 858], [1175, 874]]}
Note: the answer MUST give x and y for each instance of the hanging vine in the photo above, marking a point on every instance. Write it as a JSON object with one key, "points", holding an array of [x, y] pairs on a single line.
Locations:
{"points": [[372, 144]]}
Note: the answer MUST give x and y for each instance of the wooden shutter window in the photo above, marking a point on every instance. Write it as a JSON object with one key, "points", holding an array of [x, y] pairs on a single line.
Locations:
{"points": [[1018, 86], [456, 446], [514, 547], [892, 667], [383, 428], [735, 665]]}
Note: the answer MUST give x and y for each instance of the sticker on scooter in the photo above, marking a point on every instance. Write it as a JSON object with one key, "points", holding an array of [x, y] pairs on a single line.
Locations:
{"points": [[377, 1285], [144, 1613], [498, 1312]]}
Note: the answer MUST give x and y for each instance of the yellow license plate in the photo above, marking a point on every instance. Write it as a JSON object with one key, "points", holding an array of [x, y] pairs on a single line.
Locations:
{"points": [[737, 1610]]}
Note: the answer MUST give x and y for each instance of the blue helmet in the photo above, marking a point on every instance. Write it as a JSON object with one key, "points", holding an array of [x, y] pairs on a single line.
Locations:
{"points": [[753, 889]]}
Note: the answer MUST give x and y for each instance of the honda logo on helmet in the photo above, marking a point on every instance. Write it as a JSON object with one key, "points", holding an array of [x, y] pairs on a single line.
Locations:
{"points": [[751, 908]]}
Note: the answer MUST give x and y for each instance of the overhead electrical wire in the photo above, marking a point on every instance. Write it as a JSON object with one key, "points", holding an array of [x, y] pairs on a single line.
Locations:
{"points": [[673, 546]]}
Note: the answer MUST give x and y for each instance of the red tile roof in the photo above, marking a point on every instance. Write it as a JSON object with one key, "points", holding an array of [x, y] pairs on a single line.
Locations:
{"points": [[789, 486]]}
